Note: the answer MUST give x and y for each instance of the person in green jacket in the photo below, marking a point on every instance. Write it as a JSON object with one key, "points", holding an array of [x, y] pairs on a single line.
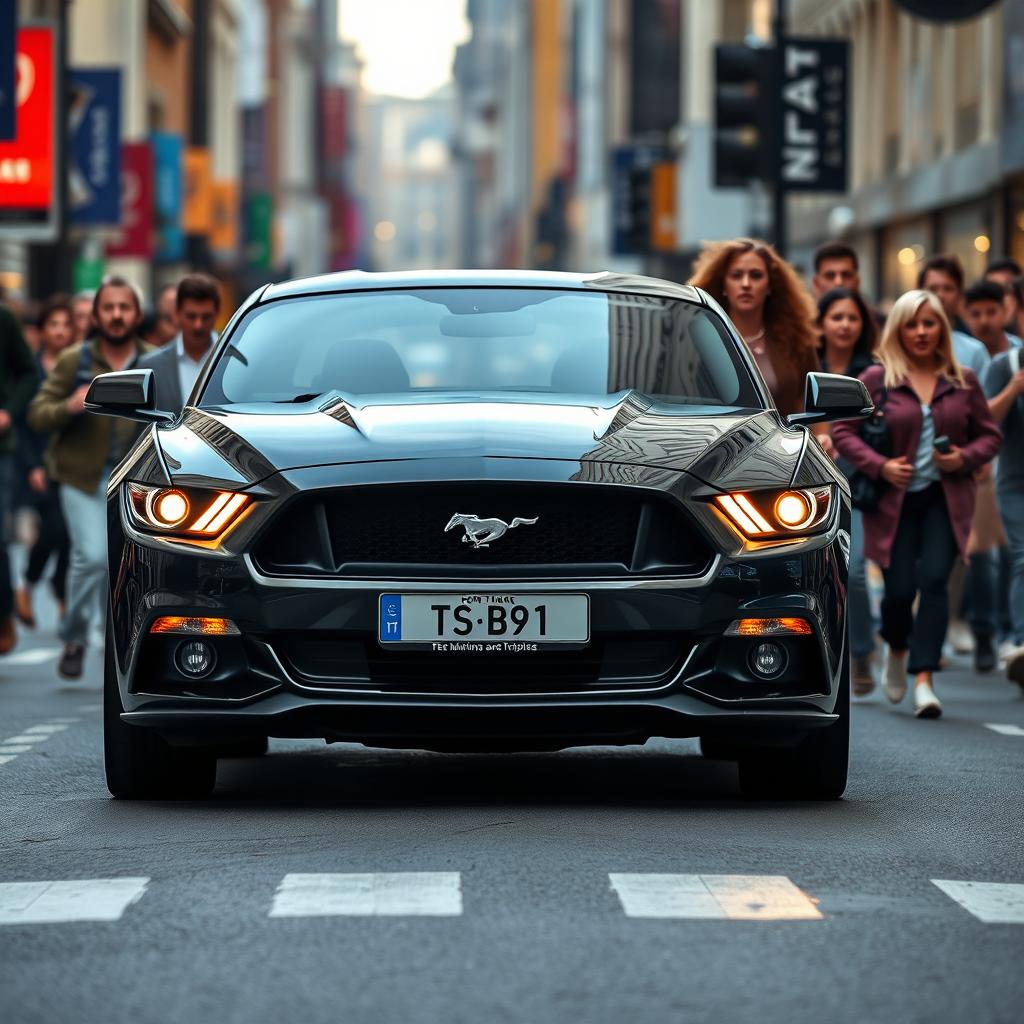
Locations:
{"points": [[83, 450], [18, 381]]}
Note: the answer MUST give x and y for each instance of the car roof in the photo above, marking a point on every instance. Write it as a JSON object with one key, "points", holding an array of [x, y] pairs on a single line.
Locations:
{"points": [[360, 280]]}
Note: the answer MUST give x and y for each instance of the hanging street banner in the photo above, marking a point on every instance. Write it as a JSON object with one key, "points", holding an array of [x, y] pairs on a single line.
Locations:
{"points": [[94, 170], [8, 32], [135, 236], [224, 226], [197, 209], [813, 108], [28, 194], [167, 196]]}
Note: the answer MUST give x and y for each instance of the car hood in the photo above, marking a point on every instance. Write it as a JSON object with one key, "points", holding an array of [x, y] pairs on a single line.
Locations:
{"points": [[241, 445]]}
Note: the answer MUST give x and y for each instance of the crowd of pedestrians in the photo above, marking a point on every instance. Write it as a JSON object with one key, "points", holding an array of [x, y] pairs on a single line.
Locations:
{"points": [[933, 509], [56, 458]]}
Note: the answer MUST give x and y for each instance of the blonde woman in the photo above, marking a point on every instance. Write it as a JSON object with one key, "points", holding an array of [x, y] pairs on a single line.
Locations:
{"points": [[767, 302], [940, 433]]}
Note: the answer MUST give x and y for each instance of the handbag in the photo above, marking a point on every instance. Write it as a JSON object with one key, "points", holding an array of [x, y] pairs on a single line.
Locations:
{"points": [[865, 491]]}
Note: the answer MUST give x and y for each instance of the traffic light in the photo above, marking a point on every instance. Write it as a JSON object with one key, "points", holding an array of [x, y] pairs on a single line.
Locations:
{"points": [[743, 115]]}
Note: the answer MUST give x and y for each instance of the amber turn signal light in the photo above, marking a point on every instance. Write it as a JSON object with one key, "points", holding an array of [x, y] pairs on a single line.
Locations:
{"points": [[770, 627], [190, 625]]}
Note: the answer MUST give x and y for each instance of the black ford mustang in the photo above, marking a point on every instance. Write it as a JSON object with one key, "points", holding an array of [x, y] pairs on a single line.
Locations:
{"points": [[477, 511]]}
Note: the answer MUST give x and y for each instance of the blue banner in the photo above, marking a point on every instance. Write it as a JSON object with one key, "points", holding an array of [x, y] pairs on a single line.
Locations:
{"points": [[94, 124], [167, 196], [8, 35]]}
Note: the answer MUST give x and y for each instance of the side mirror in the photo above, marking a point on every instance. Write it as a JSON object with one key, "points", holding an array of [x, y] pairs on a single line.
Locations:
{"points": [[831, 396], [129, 394]]}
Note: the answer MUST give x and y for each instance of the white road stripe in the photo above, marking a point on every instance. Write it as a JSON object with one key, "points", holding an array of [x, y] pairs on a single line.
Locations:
{"points": [[25, 738], [397, 894], [90, 899], [738, 897], [5, 759], [36, 656], [7, 748], [44, 730], [991, 902], [1005, 730]]}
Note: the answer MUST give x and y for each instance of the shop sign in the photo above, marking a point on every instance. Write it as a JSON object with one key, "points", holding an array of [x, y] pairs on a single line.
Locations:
{"points": [[814, 115], [94, 124], [259, 219], [135, 237], [197, 213], [28, 200], [224, 226], [167, 195], [8, 32]]}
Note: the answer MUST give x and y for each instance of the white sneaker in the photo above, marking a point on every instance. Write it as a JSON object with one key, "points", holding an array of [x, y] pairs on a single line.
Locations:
{"points": [[1015, 665], [894, 682], [926, 704], [960, 637]]}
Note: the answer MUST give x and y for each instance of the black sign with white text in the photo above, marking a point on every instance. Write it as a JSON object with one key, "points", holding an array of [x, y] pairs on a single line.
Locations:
{"points": [[813, 110]]}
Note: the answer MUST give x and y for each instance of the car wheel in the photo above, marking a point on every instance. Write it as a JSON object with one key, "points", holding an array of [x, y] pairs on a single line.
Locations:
{"points": [[139, 764], [816, 769]]}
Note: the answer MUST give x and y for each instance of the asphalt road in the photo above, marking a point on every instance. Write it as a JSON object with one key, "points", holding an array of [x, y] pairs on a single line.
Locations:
{"points": [[511, 887]]}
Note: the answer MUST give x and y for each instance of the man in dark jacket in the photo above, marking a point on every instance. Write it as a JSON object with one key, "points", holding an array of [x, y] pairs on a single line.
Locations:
{"points": [[176, 366], [18, 381]]}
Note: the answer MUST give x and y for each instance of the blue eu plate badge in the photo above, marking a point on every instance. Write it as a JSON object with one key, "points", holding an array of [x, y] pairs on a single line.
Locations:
{"points": [[390, 618]]}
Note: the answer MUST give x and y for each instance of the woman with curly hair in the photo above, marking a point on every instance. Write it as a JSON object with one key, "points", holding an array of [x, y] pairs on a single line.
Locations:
{"points": [[771, 309]]}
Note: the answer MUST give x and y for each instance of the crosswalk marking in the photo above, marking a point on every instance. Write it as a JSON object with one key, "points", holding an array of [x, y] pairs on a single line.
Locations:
{"points": [[991, 902], [7, 748], [738, 897], [90, 899], [1005, 730], [25, 738], [36, 656], [7, 757], [44, 730], [389, 894]]}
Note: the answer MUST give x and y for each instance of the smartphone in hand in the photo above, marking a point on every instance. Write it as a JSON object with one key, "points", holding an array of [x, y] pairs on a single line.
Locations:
{"points": [[943, 445]]}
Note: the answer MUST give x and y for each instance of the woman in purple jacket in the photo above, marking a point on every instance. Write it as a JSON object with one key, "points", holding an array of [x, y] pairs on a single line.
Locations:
{"points": [[941, 432]]}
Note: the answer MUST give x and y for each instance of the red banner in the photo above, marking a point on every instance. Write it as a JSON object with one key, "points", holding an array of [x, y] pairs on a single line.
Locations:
{"points": [[136, 235], [26, 162]]}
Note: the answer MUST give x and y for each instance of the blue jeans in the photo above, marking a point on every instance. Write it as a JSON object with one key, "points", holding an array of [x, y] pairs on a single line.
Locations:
{"points": [[858, 602], [86, 518], [1011, 507]]}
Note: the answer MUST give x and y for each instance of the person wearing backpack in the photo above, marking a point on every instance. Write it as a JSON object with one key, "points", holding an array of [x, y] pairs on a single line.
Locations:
{"points": [[1004, 385], [83, 450]]}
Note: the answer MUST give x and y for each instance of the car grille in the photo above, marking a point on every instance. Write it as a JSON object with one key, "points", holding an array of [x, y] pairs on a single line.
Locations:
{"points": [[610, 661], [398, 531]]}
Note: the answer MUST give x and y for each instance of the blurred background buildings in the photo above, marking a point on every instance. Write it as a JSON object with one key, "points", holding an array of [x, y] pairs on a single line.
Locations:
{"points": [[290, 166]]}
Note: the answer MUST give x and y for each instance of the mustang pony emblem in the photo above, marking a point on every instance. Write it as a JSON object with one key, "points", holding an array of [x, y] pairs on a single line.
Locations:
{"points": [[480, 532]]}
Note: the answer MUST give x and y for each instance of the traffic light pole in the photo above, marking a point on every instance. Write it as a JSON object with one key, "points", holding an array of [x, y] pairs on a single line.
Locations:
{"points": [[779, 225]]}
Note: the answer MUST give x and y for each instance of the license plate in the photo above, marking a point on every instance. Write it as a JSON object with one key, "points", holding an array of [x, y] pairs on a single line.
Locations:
{"points": [[453, 623]]}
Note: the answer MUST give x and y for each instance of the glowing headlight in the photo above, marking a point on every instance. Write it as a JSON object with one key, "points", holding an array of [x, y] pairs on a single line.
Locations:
{"points": [[186, 513], [777, 515]]}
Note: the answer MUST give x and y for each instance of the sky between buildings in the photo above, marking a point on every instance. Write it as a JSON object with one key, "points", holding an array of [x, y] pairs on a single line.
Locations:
{"points": [[408, 45]]}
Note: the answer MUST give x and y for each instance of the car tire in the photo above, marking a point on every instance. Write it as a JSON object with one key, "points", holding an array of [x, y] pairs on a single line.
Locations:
{"points": [[139, 764], [815, 769]]}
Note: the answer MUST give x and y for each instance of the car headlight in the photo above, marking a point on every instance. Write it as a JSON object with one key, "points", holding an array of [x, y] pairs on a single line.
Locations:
{"points": [[185, 512], [777, 515]]}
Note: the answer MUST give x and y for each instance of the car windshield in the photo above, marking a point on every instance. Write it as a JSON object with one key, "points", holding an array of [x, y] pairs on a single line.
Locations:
{"points": [[481, 340]]}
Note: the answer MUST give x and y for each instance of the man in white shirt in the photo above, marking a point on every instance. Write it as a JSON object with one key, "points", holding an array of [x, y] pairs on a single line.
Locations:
{"points": [[177, 365]]}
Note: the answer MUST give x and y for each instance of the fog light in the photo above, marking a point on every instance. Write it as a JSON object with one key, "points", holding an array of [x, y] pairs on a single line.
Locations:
{"points": [[195, 659], [768, 660]]}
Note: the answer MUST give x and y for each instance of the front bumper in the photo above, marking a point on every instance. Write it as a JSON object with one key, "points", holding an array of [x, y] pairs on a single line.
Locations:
{"points": [[699, 685]]}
